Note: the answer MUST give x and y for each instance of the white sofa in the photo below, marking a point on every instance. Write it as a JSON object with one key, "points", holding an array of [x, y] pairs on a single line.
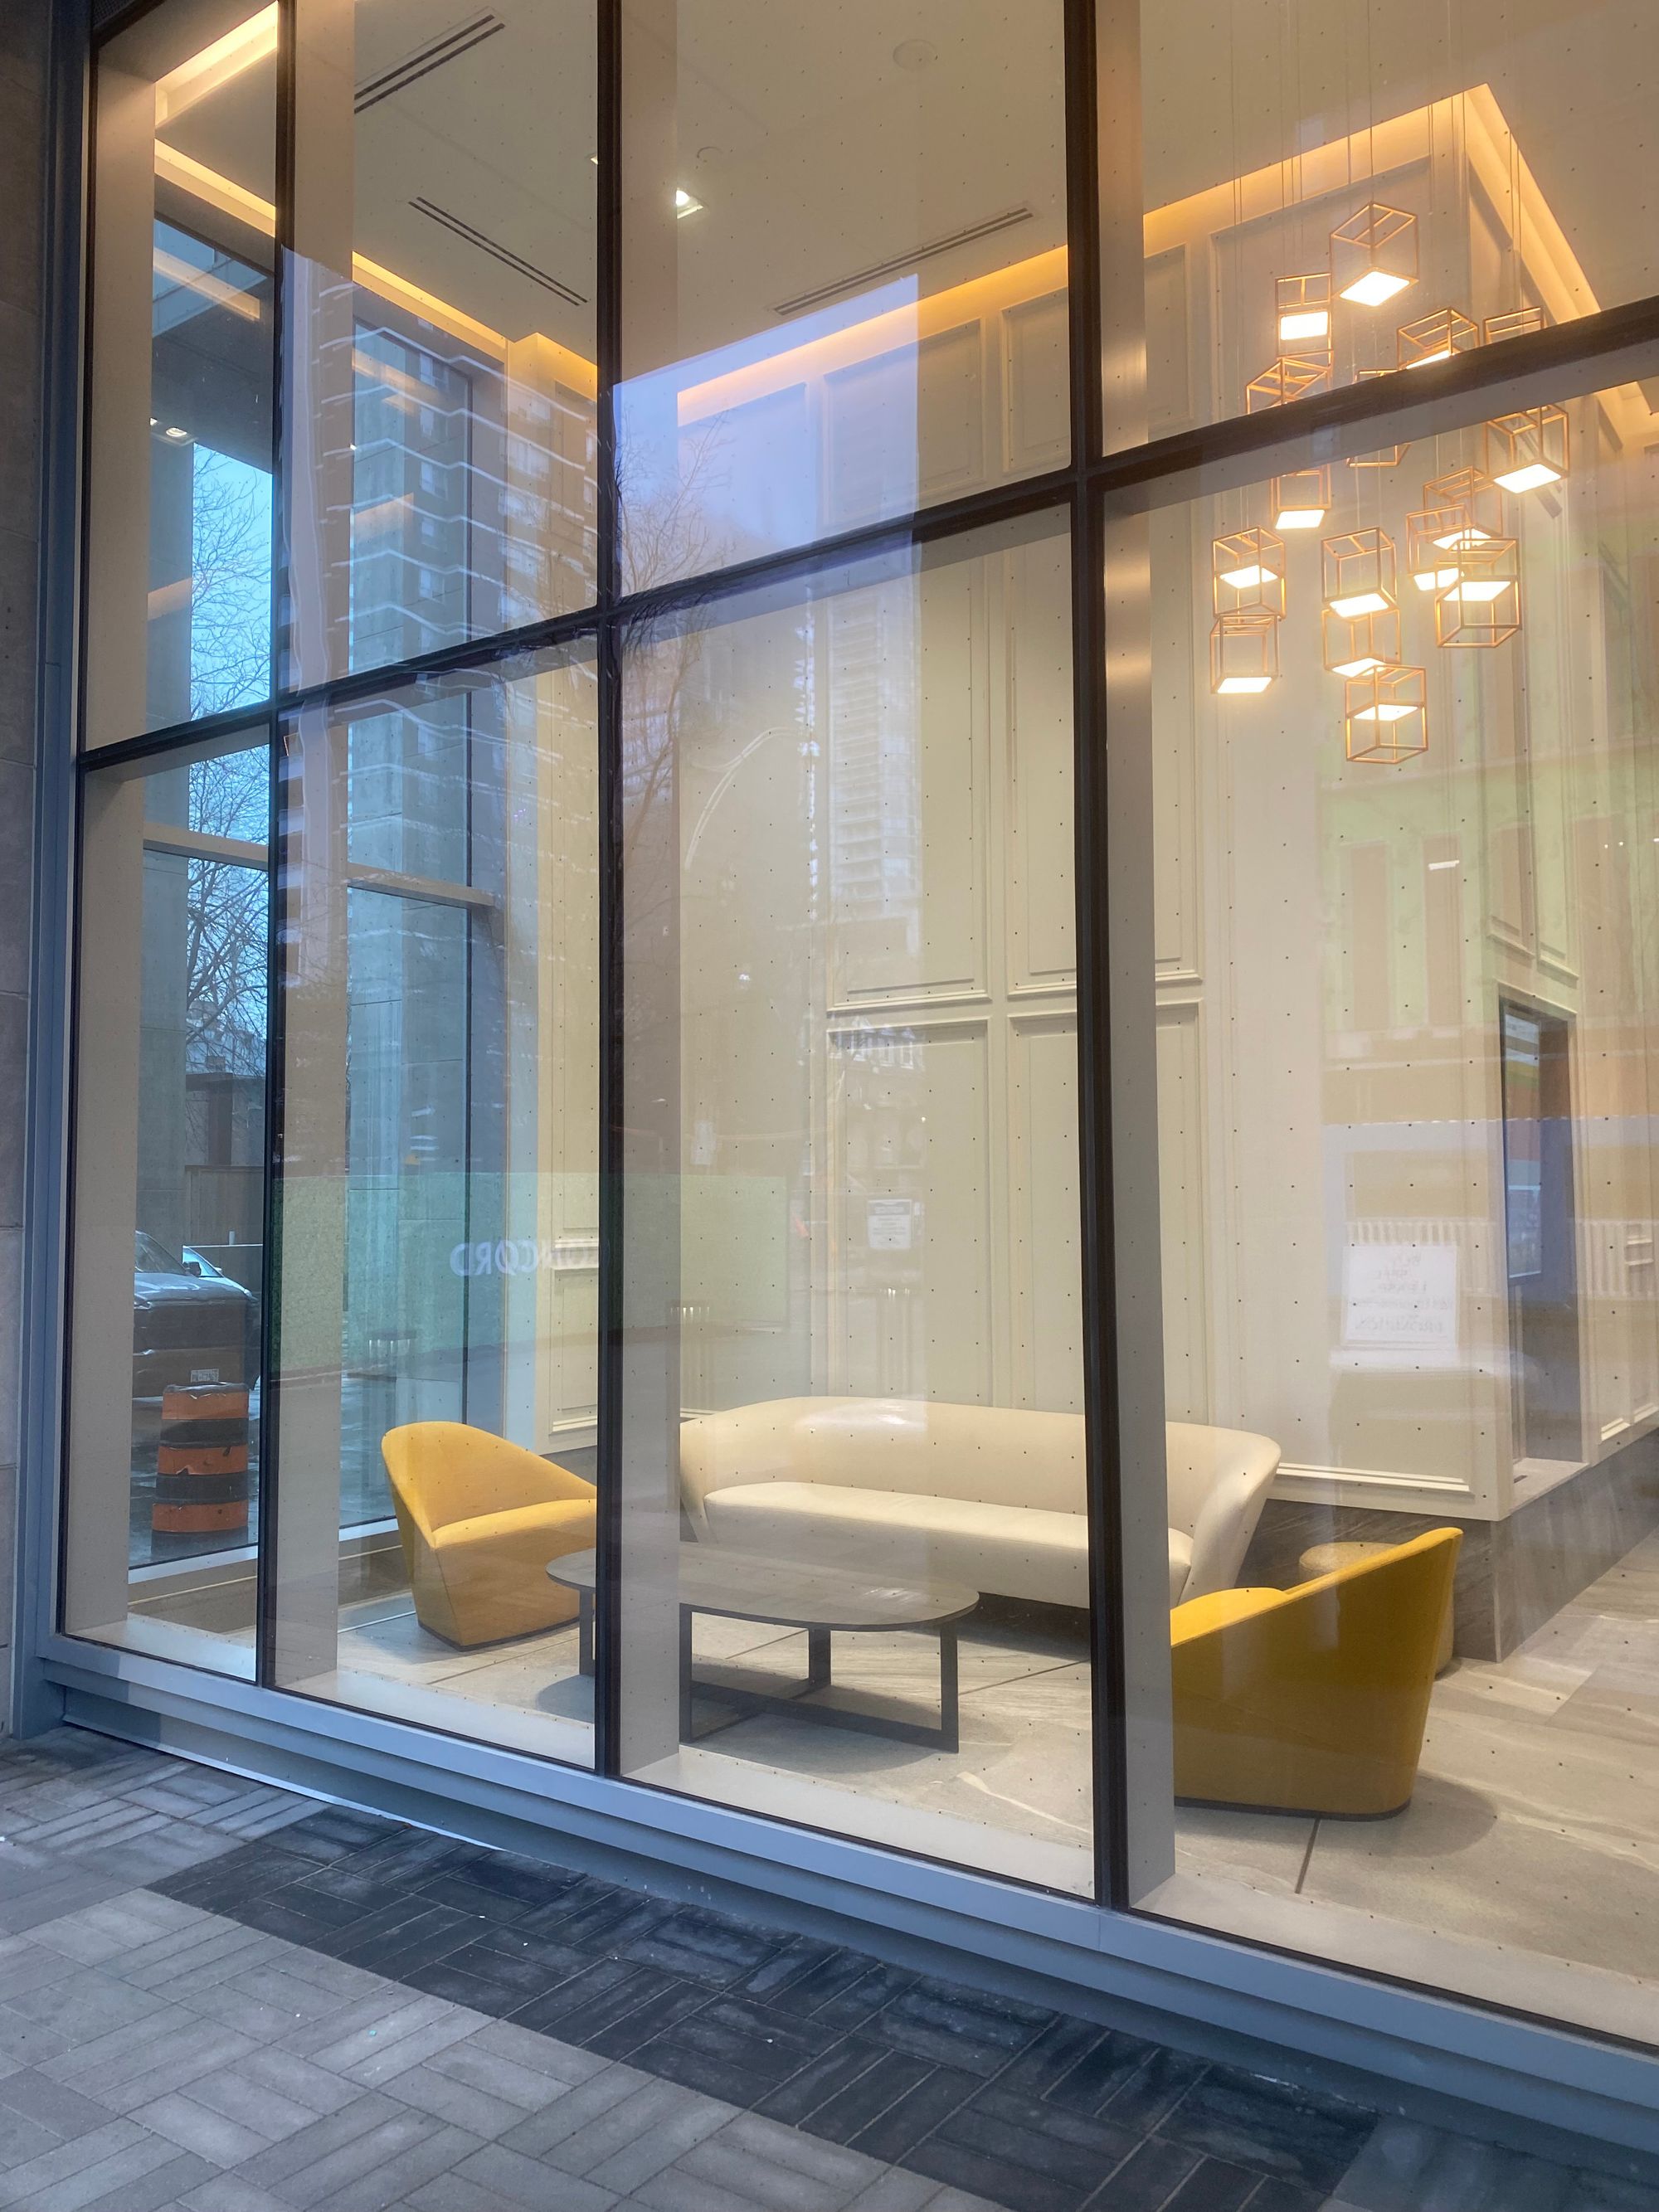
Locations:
{"points": [[991, 1496]]}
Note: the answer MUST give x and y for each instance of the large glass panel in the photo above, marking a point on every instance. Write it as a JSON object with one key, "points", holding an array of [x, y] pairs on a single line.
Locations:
{"points": [[1407, 1038], [1338, 192], [179, 553], [437, 1204], [164, 1452], [440, 326], [855, 1579], [844, 268]]}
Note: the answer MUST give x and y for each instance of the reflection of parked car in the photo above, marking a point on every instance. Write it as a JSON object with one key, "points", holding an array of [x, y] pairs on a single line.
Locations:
{"points": [[191, 1323]]}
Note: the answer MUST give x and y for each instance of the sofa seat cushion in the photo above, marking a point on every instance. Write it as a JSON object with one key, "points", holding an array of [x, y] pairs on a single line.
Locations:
{"points": [[1181, 1563], [1016, 1551]]}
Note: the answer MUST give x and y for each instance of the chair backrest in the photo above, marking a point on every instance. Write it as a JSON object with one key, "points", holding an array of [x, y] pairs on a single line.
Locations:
{"points": [[1218, 1480], [444, 1471]]}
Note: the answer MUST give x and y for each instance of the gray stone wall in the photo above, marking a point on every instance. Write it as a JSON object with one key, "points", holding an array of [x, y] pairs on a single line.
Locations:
{"points": [[22, 103]]}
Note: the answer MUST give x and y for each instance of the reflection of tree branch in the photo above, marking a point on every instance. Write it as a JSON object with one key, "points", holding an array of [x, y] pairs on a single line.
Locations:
{"points": [[225, 920], [230, 586]]}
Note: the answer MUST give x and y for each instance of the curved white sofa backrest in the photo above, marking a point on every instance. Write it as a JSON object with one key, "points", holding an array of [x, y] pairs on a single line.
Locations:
{"points": [[1218, 1480], [990, 1455]]}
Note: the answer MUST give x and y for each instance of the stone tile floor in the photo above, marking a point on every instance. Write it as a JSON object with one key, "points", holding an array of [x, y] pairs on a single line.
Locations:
{"points": [[218, 1997]]}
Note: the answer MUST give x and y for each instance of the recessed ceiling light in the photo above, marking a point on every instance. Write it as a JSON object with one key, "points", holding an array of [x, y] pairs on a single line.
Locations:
{"points": [[173, 431], [914, 54], [684, 205]]}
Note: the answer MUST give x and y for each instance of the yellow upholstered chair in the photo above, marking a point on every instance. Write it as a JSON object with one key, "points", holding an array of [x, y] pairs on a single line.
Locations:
{"points": [[1313, 1700], [480, 1518]]}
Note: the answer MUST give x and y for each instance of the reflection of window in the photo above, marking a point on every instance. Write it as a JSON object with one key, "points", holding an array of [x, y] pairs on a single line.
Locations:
{"points": [[1523, 1164]]}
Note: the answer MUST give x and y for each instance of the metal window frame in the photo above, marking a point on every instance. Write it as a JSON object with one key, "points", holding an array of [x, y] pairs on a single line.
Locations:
{"points": [[1531, 2074]]}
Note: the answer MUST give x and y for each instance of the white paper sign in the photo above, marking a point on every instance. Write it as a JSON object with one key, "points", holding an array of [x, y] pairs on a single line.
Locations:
{"points": [[1401, 1297], [888, 1223]]}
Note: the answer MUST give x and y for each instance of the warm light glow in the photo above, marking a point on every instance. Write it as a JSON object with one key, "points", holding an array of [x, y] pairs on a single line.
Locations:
{"points": [[1459, 540], [1244, 580], [1299, 518], [252, 41], [1531, 478], [175, 432], [1233, 685], [1433, 579], [684, 205], [1375, 289], [1385, 710], [1362, 602], [1481, 590], [212, 289], [1314, 324], [1428, 360], [1361, 668]]}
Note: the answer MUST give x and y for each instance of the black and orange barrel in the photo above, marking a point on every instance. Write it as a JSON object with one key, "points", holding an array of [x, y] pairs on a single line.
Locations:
{"points": [[201, 1463]]}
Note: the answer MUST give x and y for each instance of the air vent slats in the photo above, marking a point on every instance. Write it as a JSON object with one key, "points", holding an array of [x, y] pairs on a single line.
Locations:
{"points": [[861, 277], [497, 252], [449, 48]]}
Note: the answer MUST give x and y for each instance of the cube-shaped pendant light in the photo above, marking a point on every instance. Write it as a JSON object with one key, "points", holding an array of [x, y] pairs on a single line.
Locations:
{"points": [[1472, 489], [1303, 307], [1435, 537], [1248, 572], [1301, 500], [1361, 646], [1374, 255], [1386, 719], [1358, 573], [1436, 337], [1482, 607], [1292, 376], [1529, 449], [1516, 323], [1243, 653]]}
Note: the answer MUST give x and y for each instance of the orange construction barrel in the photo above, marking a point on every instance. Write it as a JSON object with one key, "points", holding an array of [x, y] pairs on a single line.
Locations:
{"points": [[201, 1463]]}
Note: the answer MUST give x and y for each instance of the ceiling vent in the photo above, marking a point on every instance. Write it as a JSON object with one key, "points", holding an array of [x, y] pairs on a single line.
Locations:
{"points": [[497, 251], [861, 279], [449, 48]]}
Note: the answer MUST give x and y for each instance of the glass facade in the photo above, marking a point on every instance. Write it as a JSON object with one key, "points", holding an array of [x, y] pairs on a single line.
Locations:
{"points": [[867, 817]]}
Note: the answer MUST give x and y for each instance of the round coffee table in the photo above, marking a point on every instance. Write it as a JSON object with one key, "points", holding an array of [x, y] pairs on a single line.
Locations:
{"points": [[785, 1593]]}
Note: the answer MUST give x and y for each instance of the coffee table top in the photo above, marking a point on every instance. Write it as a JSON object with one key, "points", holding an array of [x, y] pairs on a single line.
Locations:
{"points": [[750, 1586]]}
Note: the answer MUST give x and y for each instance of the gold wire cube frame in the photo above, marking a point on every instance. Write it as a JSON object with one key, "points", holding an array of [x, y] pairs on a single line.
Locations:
{"points": [[1527, 450], [1436, 337], [1374, 254], [1359, 645], [1300, 500], [1243, 653], [1514, 323], [1302, 307], [1483, 606], [1386, 716], [1435, 538], [1385, 457], [1247, 570], [1292, 376], [1357, 573], [1472, 489]]}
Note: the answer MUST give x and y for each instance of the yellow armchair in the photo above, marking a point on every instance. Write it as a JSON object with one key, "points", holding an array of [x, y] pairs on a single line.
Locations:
{"points": [[1313, 1700], [480, 1518]]}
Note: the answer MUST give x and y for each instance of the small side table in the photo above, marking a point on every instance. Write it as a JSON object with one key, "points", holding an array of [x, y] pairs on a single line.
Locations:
{"points": [[1325, 1559]]}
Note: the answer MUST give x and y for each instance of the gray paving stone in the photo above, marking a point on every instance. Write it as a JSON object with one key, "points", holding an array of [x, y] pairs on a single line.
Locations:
{"points": [[83, 2004], [895, 2190], [461, 2103], [29, 2185], [640, 2136], [780, 2168], [542, 2054], [394, 2053], [64, 2111], [154, 2191], [281, 2073], [212, 2135], [557, 2122], [351, 2034], [393, 2168], [473, 2066], [275, 2168], [228, 2192], [525, 2184]]}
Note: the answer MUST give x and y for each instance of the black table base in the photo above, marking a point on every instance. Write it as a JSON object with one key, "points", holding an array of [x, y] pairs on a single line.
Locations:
{"points": [[944, 1736]]}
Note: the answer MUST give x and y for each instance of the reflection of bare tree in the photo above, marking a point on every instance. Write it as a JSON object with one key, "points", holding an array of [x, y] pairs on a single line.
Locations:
{"points": [[225, 921], [230, 586]]}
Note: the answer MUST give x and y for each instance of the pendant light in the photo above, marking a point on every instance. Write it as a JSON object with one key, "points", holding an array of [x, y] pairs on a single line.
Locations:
{"points": [[1386, 716], [1361, 645], [1247, 572], [1292, 376], [1358, 573], [1300, 500], [1436, 337], [1482, 606], [1517, 322], [1374, 255], [1528, 450], [1243, 653], [1302, 307]]}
